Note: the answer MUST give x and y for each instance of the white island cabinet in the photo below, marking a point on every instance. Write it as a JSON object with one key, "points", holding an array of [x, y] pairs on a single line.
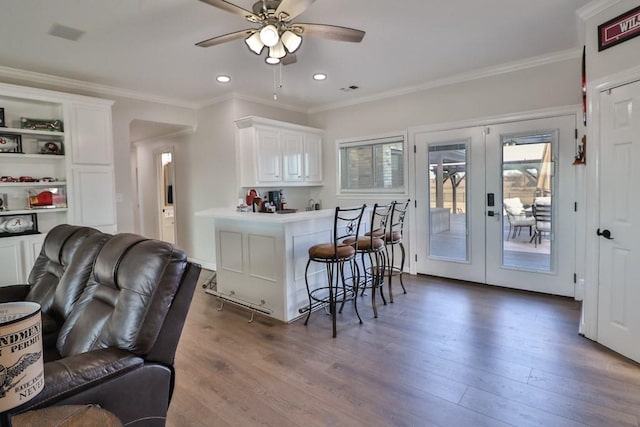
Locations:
{"points": [[261, 258]]}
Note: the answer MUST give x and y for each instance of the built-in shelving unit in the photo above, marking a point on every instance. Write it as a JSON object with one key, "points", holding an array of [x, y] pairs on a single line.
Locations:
{"points": [[55, 175]]}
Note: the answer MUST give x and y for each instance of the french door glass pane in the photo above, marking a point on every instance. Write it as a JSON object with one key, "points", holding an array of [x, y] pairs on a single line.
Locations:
{"points": [[448, 201], [527, 188]]}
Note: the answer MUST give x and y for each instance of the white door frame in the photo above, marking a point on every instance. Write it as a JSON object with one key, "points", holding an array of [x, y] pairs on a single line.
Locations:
{"points": [[592, 242], [157, 157]]}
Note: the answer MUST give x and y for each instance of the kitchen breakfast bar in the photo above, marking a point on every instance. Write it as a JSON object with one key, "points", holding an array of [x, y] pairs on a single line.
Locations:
{"points": [[261, 258]]}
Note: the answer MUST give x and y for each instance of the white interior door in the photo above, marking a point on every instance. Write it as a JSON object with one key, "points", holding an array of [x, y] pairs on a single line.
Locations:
{"points": [[464, 175], [619, 265]]}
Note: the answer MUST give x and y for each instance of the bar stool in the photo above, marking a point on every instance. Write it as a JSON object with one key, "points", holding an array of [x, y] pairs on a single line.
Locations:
{"points": [[371, 248], [335, 255], [393, 239]]}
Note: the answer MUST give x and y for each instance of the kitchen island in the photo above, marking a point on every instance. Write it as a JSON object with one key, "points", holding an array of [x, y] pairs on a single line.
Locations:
{"points": [[261, 258]]}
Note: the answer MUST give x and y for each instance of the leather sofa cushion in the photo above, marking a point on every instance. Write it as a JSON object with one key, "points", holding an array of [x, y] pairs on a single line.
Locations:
{"points": [[126, 298], [58, 249]]}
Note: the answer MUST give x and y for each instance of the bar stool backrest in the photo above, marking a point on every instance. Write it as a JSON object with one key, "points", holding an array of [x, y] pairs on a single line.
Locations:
{"points": [[346, 225], [396, 229], [380, 221]]}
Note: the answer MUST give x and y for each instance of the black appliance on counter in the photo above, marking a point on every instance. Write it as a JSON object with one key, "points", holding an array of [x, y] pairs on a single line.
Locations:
{"points": [[275, 198]]}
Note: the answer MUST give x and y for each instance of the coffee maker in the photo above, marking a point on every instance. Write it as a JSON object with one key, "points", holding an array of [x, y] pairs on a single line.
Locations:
{"points": [[275, 198]]}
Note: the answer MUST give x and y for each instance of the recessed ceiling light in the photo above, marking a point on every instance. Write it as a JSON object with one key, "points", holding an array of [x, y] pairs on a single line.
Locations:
{"points": [[319, 76], [223, 79]]}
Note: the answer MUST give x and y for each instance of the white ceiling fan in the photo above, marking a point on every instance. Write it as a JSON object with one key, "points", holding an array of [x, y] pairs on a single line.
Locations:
{"points": [[276, 30]]}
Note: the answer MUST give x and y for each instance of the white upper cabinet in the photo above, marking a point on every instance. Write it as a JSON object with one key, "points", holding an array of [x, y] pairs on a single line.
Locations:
{"points": [[292, 146], [92, 134], [278, 153], [312, 158], [268, 155]]}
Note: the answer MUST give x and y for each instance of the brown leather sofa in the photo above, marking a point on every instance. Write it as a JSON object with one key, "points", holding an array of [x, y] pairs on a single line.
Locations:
{"points": [[117, 341]]}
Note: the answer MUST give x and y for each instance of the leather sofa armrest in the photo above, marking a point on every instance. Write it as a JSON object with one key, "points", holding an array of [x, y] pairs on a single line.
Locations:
{"points": [[14, 293], [73, 374]]}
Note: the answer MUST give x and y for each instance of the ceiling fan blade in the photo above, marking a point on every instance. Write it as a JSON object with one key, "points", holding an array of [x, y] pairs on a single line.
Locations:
{"points": [[224, 38], [331, 32], [232, 8], [289, 59], [292, 8]]}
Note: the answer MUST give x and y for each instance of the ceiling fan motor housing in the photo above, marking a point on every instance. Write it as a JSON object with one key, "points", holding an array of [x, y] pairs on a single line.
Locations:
{"points": [[270, 5]]}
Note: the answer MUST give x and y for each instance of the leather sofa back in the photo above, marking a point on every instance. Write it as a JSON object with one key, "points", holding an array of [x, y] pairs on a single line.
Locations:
{"points": [[127, 297], [76, 276], [58, 249]]}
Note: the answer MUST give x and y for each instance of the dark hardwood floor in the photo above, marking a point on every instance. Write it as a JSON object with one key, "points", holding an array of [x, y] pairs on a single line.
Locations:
{"points": [[448, 353]]}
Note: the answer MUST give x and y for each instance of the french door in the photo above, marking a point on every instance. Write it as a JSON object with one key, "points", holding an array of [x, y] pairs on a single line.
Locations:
{"points": [[496, 204]]}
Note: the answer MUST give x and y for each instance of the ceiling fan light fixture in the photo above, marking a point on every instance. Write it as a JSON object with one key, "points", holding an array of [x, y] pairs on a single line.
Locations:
{"points": [[277, 51], [269, 35], [255, 43], [291, 41], [272, 61]]}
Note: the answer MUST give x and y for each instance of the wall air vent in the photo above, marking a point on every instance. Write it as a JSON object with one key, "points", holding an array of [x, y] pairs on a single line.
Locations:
{"points": [[65, 32]]}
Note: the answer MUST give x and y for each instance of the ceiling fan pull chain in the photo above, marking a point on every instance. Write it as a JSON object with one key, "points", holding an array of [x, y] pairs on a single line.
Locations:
{"points": [[275, 85]]}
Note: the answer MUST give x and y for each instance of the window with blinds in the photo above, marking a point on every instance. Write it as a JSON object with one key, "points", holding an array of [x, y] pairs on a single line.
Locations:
{"points": [[372, 165]]}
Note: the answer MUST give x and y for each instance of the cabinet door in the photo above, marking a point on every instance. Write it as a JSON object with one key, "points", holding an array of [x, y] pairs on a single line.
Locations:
{"points": [[91, 134], [269, 156], [94, 197], [11, 268], [313, 158], [292, 156]]}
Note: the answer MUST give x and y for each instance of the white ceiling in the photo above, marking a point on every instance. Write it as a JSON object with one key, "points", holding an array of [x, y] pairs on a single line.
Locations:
{"points": [[147, 46]]}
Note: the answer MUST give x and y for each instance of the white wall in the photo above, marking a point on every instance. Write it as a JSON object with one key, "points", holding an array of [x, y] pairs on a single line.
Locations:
{"points": [[614, 59], [124, 112], [550, 85], [206, 170]]}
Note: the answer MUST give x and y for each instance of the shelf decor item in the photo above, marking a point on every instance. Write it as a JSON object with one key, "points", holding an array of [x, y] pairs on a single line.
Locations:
{"points": [[19, 224], [47, 198], [4, 202], [41, 124], [51, 147], [10, 143], [2, 124]]}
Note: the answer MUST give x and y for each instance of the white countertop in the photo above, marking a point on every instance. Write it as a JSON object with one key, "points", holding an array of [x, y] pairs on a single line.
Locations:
{"points": [[230, 213]]}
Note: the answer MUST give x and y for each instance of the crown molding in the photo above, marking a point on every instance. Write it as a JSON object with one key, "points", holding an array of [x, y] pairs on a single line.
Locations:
{"points": [[595, 7], [111, 91], [508, 67]]}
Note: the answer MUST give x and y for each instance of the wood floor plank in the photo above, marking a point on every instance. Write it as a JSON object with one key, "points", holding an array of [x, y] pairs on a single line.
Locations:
{"points": [[514, 413], [448, 353]]}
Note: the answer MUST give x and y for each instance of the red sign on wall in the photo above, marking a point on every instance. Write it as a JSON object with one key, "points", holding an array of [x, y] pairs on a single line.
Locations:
{"points": [[619, 29]]}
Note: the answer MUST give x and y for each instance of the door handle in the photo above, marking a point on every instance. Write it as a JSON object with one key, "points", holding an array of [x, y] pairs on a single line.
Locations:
{"points": [[493, 213], [604, 233]]}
